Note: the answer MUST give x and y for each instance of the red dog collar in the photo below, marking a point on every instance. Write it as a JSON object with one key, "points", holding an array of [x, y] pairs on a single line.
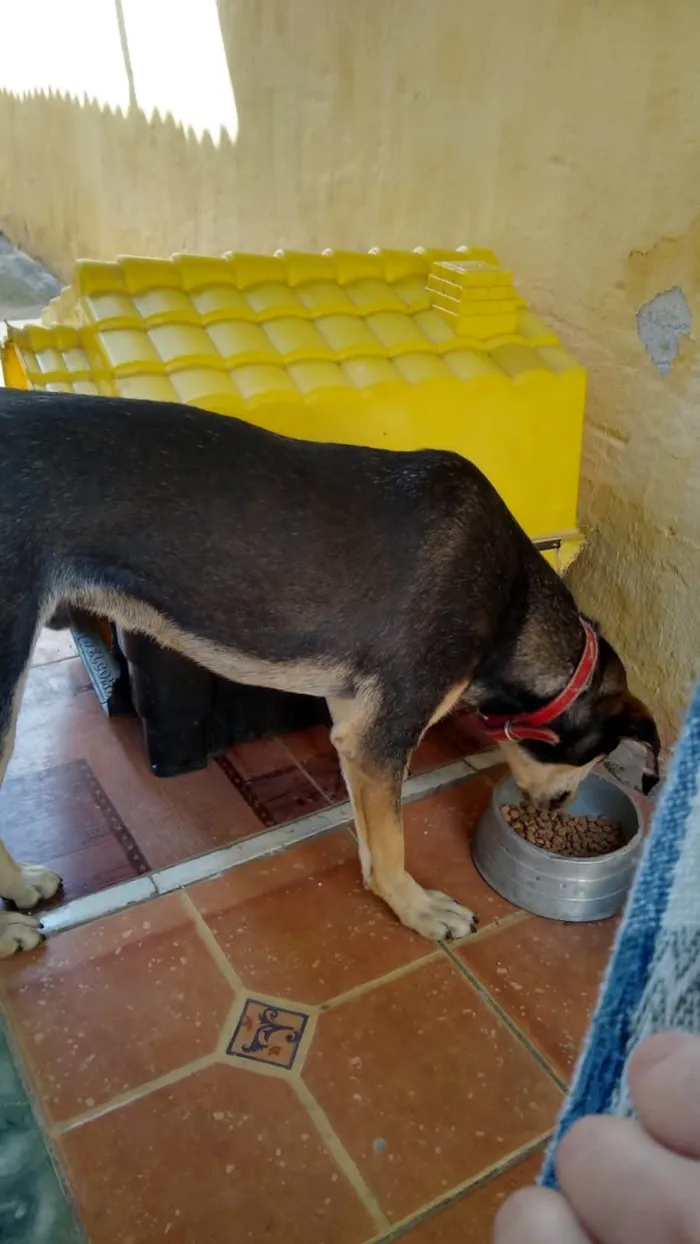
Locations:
{"points": [[532, 725]]}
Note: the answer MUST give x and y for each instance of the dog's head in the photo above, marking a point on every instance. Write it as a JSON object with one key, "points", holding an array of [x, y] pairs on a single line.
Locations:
{"points": [[601, 718]]}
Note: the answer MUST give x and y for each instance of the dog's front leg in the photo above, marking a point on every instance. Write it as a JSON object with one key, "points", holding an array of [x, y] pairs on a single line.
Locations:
{"points": [[376, 800], [22, 884], [375, 793]]}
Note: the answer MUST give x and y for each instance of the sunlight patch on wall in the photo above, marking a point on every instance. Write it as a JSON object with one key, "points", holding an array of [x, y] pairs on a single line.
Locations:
{"points": [[165, 56], [69, 46], [179, 63]]}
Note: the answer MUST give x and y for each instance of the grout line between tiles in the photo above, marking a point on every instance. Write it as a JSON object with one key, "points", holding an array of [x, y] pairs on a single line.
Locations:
{"points": [[463, 1190], [42, 665], [431, 956], [228, 1027], [507, 1019], [340, 1155], [135, 1094], [221, 960], [307, 1041], [211, 864], [488, 930], [251, 1066], [300, 765]]}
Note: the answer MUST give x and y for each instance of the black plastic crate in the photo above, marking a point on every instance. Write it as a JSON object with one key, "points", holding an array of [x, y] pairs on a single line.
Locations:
{"points": [[187, 713]]}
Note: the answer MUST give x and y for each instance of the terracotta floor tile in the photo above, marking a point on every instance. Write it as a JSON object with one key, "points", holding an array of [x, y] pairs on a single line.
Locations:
{"points": [[172, 819], [469, 1220], [438, 830], [114, 1004], [223, 1156], [258, 758], [300, 925], [450, 740], [424, 1086], [86, 871], [62, 817], [546, 975], [494, 774], [48, 686], [271, 782], [453, 738], [313, 750], [59, 715]]}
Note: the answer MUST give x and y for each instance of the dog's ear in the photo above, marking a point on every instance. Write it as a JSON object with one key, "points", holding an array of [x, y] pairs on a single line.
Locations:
{"points": [[637, 723]]}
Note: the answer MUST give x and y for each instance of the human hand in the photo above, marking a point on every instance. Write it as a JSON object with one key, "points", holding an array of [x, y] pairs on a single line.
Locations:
{"points": [[625, 1181]]}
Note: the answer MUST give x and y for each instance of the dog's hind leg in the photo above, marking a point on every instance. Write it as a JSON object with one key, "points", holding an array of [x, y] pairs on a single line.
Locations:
{"points": [[373, 769], [22, 884]]}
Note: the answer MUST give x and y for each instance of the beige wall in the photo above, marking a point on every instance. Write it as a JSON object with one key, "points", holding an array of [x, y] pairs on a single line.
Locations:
{"points": [[564, 133]]}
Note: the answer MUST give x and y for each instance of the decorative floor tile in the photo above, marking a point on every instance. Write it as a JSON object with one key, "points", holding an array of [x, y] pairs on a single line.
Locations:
{"points": [[546, 976], [425, 1087], [107, 1007], [270, 781], [222, 1156], [267, 1034], [313, 751], [61, 817], [33, 1206], [300, 925], [469, 1220]]}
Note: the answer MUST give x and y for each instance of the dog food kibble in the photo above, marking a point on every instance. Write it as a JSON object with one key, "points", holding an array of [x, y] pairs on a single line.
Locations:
{"points": [[579, 837]]}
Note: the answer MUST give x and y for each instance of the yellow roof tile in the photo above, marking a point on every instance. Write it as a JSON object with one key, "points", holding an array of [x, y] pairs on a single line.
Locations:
{"points": [[389, 347]]}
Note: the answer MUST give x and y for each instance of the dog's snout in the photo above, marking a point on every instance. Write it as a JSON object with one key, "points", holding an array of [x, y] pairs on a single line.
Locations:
{"points": [[547, 803]]}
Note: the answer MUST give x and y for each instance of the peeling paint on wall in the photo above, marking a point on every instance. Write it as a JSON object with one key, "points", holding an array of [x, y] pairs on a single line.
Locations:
{"points": [[660, 324]]}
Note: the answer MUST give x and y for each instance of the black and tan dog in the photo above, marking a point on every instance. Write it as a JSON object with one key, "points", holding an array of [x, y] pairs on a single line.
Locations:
{"points": [[393, 584]]}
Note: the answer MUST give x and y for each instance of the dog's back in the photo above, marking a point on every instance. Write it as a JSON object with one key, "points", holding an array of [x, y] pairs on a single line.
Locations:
{"points": [[241, 536]]}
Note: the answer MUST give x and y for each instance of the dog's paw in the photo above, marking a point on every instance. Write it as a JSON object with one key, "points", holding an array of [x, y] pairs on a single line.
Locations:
{"points": [[18, 932], [32, 884], [444, 918], [435, 915]]}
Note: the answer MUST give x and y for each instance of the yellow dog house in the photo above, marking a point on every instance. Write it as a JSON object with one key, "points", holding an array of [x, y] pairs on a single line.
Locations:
{"points": [[396, 349]]}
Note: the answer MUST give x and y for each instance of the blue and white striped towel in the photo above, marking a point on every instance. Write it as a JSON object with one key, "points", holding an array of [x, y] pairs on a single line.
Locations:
{"points": [[652, 983]]}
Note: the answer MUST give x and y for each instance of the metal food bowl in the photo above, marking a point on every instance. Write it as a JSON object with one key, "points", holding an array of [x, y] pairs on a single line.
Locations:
{"points": [[553, 885]]}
